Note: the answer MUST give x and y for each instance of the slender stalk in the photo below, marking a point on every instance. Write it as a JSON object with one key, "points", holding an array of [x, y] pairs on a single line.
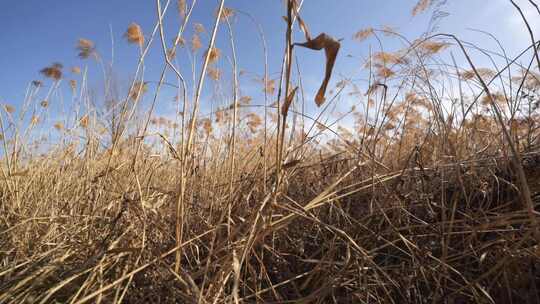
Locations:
{"points": [[191, 132], [288, 64], [232, 145]]}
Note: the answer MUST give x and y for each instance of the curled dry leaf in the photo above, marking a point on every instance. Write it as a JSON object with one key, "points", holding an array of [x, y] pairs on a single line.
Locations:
{"points": [[331, 48], [291, 164], [288, 101], [304, 28]]}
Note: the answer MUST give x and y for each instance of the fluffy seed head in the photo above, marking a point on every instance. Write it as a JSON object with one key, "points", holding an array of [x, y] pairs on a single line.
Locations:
{"points": [[59, 126], [139, 88], [195, 43], [245, 100], [270, 86], [363, 34], [134, 34], [207, 126], [181, 6], [54, 71], [421, 6], [86, 48], [9, 109], [215, 53], [253, 122], [226, 13], [199, 28], [214, 73], [84, 121]]}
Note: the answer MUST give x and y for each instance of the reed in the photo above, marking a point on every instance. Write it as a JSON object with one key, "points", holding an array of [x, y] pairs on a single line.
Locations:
{"points": [[415, 194]]}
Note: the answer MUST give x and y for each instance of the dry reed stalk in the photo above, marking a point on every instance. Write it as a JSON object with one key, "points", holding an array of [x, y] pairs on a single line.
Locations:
{"points": [[191, 131], [516, 158], [286, 76], [234, 118]]}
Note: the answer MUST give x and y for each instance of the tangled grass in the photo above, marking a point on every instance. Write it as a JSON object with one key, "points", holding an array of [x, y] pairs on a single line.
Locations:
{"points": [[428, 197]]}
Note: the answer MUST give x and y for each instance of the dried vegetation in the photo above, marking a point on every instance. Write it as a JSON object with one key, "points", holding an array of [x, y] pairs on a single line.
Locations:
{"points": [[429, 195]]}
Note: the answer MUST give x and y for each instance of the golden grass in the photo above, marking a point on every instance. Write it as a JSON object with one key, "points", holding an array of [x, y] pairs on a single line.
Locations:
{"points": [[418, 200]]}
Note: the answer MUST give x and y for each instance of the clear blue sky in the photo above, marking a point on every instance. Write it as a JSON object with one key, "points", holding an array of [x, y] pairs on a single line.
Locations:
{"points": [[36, 33]]}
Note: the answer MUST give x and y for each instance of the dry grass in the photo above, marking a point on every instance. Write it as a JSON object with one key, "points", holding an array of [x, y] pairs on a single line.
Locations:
{"points": [[430, 196]]}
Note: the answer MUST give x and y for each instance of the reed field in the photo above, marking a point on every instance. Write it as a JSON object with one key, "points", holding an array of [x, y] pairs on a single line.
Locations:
{"points": [[427, 190]]}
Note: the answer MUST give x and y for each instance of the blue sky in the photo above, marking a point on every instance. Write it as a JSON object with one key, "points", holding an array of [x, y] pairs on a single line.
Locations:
{"points": [[36, 33]]}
